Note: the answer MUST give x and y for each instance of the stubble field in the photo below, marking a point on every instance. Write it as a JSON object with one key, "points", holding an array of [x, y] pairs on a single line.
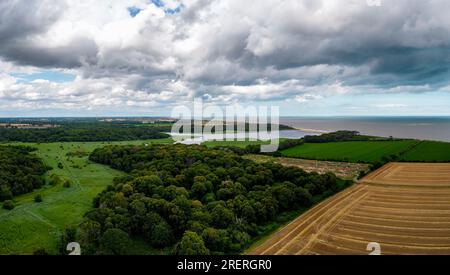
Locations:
{"points": [[404, 207]]}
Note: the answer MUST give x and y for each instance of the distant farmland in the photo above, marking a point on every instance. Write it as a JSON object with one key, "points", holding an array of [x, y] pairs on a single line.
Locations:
{"points": [[350, 151]]}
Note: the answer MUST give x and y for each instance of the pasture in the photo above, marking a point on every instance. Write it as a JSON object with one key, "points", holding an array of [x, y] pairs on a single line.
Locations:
{"points": [[30, 225], [350, 151], [429, 151]]}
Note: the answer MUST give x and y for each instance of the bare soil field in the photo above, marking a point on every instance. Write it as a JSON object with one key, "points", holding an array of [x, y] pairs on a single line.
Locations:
{"points": [[404, 207], [343, 170]]}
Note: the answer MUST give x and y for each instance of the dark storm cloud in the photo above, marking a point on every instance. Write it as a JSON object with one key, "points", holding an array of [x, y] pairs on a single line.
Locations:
{"points": [[80, 51], [20, 18], [409, 40], [242, 41], [21, 21], [228, 49]]}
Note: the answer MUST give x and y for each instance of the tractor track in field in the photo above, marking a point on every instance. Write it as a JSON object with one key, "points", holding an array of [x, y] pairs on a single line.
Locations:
{"points": [[405, 207]]}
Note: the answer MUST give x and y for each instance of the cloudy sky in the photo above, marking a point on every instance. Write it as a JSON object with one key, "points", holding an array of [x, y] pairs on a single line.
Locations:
{"points": [[142, 57]]}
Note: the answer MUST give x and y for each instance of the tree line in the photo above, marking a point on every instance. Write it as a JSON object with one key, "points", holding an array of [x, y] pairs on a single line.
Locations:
{"points": [[84, 132], [20, 171], [191, 200], [337, 137]]}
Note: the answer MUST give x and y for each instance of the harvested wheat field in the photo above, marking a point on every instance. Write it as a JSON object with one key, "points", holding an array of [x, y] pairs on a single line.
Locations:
{"points": [[404, 207]]}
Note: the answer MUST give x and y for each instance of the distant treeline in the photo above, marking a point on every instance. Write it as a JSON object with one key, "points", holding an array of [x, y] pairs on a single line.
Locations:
{"points": [[337, 137], [236, 127], [191, 200], [20, 171], [84, 132]]}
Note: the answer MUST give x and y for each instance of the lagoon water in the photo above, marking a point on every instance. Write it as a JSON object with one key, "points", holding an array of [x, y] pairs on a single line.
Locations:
{"points": [[198, 139], [424, 128]]}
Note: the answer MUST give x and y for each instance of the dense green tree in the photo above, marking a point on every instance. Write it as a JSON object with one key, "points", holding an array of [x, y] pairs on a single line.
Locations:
{"points": [[216, 239], [239, 239], [172, 192], [91, 232], [221, 199], [221, 216], [192, 244], [127, 189], [285, 195], [303, 197], [201, 215], [336, 136], [235, 172], [8, 205], [149, 221], [210, 197], [118, 200], [161, 234], [147, 184], [38, 198], [201, 187], [69, 235], [20, 171], [83, 131], [5, 193], [115, 242]]}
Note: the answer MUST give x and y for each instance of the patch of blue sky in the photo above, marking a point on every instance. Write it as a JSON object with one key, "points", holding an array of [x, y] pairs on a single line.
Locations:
{"points": [[52, 76], [158, 3], [173, 11], [133, 11], [161, 4]]}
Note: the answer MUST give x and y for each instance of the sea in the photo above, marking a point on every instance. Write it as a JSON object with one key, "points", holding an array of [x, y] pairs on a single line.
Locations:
{"points": [[423, 128]]}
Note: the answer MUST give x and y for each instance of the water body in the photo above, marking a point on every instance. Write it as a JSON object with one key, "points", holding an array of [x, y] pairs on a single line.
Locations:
{"points": [[198, 139], [424, 128]]}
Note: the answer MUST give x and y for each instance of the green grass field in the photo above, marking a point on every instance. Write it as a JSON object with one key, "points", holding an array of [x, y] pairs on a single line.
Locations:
{"points": [[429, 151], [31, 226], [352, 151], [240, 144]]}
